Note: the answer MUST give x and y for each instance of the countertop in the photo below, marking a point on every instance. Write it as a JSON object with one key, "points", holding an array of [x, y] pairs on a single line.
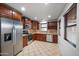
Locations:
{"points": [[25, 35], [40, 33], [46, 33]]}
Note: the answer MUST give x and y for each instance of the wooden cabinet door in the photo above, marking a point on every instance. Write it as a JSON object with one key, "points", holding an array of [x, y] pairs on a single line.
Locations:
{"points": [[9, 12], [39, 37], [55, 39], [25, 41], [43, 37], [52, 25], [34, 25], [34, 37], [4, 11], [38, 25], [17, 16]]}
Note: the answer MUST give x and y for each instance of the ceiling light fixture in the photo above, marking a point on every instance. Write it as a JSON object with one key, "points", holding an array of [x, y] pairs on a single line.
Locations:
{"points": [[22, 8], [13, 12], [46, 3], [49, 16], [35, 18]]}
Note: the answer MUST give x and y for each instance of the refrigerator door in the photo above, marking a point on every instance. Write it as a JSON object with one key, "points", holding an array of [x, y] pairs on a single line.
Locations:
{"points": [[17, 39], [6, 37]]}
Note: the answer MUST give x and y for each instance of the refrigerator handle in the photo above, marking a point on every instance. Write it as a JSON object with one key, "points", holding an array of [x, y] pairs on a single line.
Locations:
{"points": [[14, 35]]}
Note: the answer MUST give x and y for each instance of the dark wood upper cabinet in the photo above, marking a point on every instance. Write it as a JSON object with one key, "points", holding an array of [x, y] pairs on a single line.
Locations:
{"points": [[9, 12], [52, 25], [17, 15], [35, 25], [5, 11]]}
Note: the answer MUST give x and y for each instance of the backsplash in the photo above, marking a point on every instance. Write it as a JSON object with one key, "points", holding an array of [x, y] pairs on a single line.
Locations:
{"points": [[50, 31]]}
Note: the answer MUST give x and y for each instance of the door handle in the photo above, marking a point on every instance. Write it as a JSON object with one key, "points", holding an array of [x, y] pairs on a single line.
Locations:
{"points": [[14, 35]]}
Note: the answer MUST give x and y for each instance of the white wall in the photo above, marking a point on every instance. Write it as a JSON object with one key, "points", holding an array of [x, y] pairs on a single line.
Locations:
{"points": [[78, 29], [65, 47]]}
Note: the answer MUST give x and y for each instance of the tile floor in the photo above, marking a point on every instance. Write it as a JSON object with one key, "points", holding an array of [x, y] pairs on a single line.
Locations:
{"points": [[39, 48]]}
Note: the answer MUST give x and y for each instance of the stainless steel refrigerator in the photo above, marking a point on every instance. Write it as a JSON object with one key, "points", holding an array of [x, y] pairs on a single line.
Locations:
{"points": [[11, 37]]}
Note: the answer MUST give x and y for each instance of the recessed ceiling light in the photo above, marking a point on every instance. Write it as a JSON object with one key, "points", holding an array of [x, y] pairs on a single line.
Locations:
{"points": [[22, 8], [13, 12], [35, 18], [46, 3], [49, 16]]}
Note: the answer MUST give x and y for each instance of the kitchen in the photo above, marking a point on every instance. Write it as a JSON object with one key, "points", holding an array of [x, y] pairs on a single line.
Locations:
{"points": [[22, 24], [42, 35], [35, 29]]}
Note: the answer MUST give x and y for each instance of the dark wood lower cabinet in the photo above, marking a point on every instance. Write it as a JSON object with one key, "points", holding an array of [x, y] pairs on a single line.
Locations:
{"points": [[55, 38], [40, 37], [25, 41]]}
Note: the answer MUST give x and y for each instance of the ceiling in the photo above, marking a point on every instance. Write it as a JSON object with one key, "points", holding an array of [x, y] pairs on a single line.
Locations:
{"points": [[40, 11]]}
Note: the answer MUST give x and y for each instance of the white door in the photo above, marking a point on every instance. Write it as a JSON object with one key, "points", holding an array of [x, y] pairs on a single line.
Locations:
{"points": [[49, 37]]}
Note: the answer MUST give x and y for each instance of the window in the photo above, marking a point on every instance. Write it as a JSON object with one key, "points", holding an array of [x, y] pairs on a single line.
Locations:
{"points": [[43, 26], [43, 29], [70, 25]]}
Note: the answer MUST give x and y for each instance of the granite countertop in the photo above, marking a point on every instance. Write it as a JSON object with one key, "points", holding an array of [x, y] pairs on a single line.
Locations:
{"points": [[25, 35], [45, 33]]}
